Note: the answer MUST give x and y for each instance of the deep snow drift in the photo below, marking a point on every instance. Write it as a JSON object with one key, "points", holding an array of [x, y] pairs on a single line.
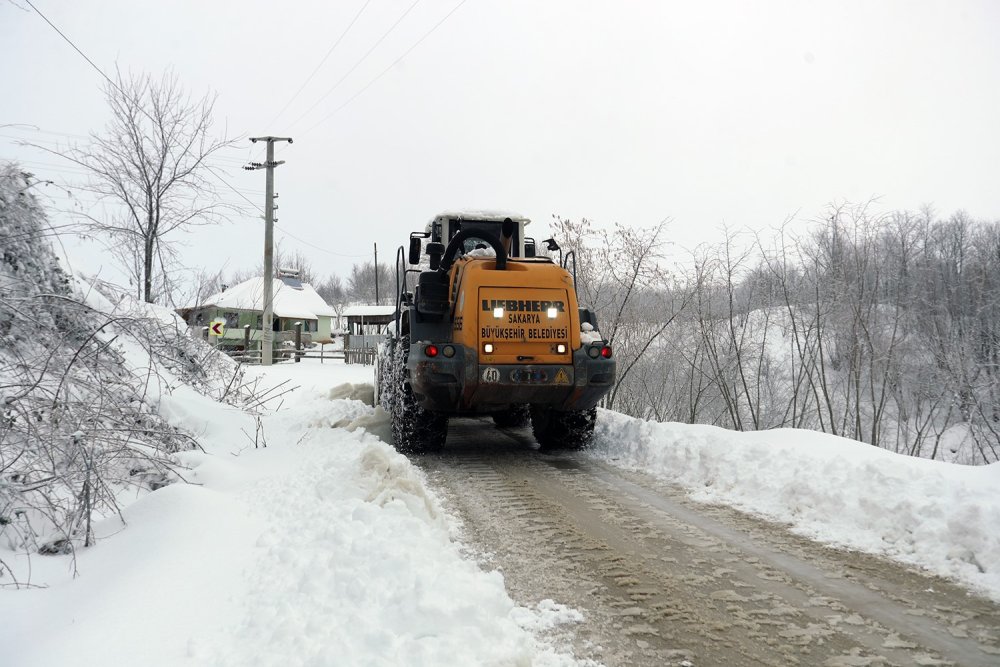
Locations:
{"points": [[940, 516]]}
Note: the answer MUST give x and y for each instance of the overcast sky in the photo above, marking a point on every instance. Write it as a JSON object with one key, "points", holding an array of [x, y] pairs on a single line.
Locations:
{"points": [[706, 113]]}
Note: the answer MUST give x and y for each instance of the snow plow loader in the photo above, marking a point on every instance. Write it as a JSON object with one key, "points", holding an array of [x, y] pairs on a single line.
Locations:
{"points": [[489, 328]]}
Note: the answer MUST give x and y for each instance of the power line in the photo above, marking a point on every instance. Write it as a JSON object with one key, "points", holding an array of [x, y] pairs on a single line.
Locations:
{"points": [[26, 127], [321, 62], [15, 139], [80, 171], [118, 88], [55, 142], [35, 143], [386, 70], [358, 63], [70, 42], [210, 168], [313, 245], [285, 231], [226, 183], [54, 167]]}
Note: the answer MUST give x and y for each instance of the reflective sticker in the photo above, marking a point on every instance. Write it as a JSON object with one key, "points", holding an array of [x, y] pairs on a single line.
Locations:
{"points": [[561, 377], [491, 375]]}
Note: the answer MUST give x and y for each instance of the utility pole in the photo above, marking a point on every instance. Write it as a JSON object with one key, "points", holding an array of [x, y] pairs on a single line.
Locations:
{"points": [[377, 302], [267, 333]]}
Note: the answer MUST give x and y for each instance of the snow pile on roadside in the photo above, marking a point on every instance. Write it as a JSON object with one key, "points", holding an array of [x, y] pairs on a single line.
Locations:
{"points": [[325, 547], [354, 561], [940, 516], [353, 565]]}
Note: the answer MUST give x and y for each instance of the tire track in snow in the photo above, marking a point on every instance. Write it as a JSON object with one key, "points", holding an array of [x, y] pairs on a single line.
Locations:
{"points": [[662, 580]]}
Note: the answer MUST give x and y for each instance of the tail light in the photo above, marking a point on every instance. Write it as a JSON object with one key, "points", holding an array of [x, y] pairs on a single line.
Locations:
{"points": [[606, 351], [431, 350]]}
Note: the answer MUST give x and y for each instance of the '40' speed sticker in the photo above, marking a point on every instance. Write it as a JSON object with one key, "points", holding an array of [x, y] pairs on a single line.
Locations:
{"points": [[491, 375]]}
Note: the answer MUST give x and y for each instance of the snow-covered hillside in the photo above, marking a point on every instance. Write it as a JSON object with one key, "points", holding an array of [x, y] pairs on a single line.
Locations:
{"points": [[78, 381]]}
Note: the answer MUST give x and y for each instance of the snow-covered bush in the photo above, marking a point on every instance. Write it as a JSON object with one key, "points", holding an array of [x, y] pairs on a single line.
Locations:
{"points": [[80, 375]]}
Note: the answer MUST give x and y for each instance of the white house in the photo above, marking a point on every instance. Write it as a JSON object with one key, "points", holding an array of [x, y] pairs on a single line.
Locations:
{"points": [[243, 304]]}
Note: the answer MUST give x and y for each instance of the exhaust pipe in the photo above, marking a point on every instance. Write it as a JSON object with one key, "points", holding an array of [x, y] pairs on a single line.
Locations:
{"points": [[506, 235]]}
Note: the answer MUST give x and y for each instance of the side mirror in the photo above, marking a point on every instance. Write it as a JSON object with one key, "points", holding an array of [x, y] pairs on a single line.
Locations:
{"points": [[414, 250]]}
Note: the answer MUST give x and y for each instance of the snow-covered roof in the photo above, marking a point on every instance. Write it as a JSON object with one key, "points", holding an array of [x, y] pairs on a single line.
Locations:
{"points": [[369, 311], [292, 299], [481, 214]]}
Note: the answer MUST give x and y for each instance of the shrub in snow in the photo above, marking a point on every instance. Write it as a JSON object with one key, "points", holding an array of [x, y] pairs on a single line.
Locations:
{"points": [[883, 328], [80, 375]]}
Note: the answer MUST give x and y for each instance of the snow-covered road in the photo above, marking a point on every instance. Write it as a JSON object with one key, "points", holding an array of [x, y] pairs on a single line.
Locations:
{"points": [[662, 579]]}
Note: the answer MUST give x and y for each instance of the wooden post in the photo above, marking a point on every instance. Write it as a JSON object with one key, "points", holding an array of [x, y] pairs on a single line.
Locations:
{"points": [[298, 342], [246, 343]]}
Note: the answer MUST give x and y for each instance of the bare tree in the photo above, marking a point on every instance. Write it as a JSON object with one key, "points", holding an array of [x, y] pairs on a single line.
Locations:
{"points": [[619, 274], [880, 327], [333, 292], [361, 283], [201, 284], [150, 161]]}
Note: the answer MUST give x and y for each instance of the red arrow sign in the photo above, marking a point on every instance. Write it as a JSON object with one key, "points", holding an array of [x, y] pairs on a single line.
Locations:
{"points": [[217, 328]]}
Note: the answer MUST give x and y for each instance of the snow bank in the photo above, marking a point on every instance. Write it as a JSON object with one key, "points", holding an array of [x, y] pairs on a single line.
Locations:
{"points": [[353, 565], [325, 547], [939, 516], [354, 561]]}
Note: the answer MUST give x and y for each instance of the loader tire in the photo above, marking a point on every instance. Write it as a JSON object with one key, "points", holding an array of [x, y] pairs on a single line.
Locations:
{"points": [[554, 429], [516, 416], [415, 430]]}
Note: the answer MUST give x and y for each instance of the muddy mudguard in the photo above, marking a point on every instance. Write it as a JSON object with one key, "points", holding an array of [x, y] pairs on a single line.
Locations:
{"points": [[554, 429]]}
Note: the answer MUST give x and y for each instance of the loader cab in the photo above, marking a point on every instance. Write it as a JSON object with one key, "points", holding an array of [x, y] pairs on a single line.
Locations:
{"points": [[452, 235], [445, 226]]}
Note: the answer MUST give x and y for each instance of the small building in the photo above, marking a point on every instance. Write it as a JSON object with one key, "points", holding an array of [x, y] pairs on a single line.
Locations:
{"points": [[243, 304], [366, 327]]}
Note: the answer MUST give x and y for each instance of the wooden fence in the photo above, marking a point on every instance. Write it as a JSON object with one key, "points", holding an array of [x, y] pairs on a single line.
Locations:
{"points": [[364, 356], [287, 354]]}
